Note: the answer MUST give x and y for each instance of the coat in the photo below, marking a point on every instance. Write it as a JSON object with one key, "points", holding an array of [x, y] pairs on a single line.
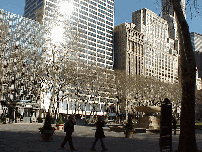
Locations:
{"points": [[99, 131], [69, 126]]}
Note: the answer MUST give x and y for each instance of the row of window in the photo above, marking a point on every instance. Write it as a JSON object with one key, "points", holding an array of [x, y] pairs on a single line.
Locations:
{"points": [[87, 107], [102, 3], [51, 4], [31, 4], [92, 11], [83, 12], [84, 3], [93, 21], [32, 9], [100, 57], [91, 6]]}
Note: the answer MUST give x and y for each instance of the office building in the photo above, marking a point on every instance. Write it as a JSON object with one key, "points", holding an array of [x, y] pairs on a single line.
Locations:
{"points": [[198, 81], [129, 49], [196, 40], [20, 42], [144, 48], [31, 37], [83, 27], [198, 59], [161, 52], [91, 22]]}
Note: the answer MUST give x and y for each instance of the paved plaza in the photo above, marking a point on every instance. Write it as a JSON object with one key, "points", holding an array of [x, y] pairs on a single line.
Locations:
{"points": [[26, 137]]}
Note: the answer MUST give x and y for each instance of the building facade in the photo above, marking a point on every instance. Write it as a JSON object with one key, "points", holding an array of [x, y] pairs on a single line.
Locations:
{"points": [[85, 29], [196, 40], [198, 81], [35, 40], [144, 48], [161, 51], [169, 15], [129, 49], [20, 45], [92, 22]]}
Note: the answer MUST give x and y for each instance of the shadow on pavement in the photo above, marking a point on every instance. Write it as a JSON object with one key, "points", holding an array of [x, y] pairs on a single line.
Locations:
{"points": [[31, 141]]}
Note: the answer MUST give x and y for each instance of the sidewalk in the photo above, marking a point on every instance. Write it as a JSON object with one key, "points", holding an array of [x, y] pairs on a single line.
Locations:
{"points": [[26, 137]]}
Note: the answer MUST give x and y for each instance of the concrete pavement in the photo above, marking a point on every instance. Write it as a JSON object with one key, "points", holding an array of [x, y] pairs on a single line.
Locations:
{"points": [[26, 137]]}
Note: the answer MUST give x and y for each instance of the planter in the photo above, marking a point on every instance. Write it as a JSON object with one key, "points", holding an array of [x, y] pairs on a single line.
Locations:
{"points": [[46, 134], [128, 134], [60, 126], [117, 129], [140, 130], [6, 120], [57, 126]]}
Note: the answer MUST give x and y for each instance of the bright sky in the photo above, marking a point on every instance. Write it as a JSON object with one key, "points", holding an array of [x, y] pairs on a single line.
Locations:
{"points": [[123, 10]]}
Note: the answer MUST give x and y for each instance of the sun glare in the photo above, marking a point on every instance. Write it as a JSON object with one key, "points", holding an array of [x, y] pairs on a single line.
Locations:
{"points": [[66, 8], [57, 34]]}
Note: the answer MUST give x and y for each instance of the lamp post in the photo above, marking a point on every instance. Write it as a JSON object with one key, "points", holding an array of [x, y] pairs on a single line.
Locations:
{"points": [[85, 108]]}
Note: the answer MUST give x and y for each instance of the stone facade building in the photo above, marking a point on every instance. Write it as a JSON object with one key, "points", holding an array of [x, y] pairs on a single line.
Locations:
{"points": [[161, 51], [129, 49]]}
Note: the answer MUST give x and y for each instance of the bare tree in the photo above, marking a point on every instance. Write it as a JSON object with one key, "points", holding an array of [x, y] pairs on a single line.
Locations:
{"points": [[187, 139]]}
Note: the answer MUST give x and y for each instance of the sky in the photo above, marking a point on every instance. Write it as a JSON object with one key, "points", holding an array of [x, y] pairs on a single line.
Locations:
{"points": [[123, 11]]}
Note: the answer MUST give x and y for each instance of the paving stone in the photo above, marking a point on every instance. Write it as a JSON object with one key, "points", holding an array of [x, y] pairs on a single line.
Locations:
{"points": [[26, 137]]}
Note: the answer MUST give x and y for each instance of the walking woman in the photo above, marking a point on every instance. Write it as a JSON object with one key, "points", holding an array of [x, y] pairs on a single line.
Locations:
{"points": [[99, 134]]}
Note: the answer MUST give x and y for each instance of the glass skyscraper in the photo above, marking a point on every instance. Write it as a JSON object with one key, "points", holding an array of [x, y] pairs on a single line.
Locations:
{"points": [[88, 22]]}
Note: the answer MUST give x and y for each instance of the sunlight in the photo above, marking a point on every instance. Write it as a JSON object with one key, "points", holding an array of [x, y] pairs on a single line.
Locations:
{"points": [[57, 34], [66, 8]]}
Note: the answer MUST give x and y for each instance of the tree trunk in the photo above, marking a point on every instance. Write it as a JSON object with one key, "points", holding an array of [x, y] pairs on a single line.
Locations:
{"points": [[187, 139]]}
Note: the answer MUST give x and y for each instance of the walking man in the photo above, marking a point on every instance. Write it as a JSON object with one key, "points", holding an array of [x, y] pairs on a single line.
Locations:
{"points": [[69, 128], [99, 134], [174, 121]]}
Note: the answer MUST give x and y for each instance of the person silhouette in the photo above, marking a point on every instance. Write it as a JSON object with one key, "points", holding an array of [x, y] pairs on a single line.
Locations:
{"points": [[69, 129], [99, 134], [174, 121]]}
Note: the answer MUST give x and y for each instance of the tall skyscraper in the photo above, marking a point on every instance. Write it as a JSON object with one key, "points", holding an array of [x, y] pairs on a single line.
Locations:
{"points": [[84, 28], [92, 20]]}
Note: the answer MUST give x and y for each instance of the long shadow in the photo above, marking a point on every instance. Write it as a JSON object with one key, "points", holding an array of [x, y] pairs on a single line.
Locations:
{"points": [[31, 141]]}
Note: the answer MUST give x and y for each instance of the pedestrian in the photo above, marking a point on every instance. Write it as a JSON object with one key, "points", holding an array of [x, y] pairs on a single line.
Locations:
{"points": [[99, 134], [69, 129], [174, 121]]}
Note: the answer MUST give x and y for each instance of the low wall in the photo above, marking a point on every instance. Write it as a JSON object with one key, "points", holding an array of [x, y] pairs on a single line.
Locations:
{"points": [[26, 119], [81, 122]]}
